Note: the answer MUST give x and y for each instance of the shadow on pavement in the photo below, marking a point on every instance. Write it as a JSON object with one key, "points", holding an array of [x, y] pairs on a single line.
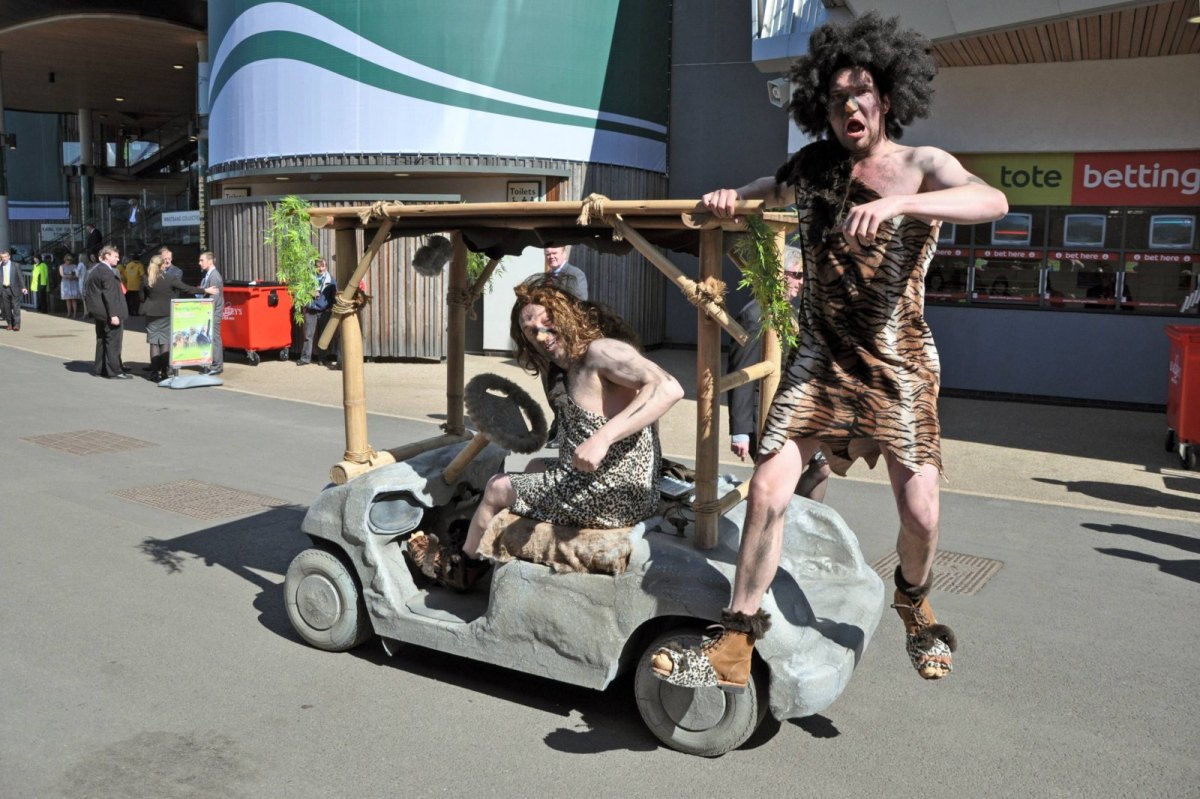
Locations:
{"points": [[264, 542], [1139, 496], [1188, 569]]}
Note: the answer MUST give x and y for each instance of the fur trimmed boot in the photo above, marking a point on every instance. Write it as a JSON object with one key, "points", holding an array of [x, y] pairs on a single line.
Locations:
{"points": [[929, 644], [445, 564], [721, 661]]}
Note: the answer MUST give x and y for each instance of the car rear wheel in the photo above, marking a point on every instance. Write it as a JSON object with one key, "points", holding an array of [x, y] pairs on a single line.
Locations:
{"points": [[324, 603], [699, 721]]}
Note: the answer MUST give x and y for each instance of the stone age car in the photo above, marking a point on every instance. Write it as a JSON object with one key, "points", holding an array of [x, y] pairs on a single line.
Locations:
{"points": [[579, 628]]}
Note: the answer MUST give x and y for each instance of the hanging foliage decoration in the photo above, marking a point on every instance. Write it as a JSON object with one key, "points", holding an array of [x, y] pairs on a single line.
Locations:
{"points": [[762, 273], [476, 263], [292, 235]]}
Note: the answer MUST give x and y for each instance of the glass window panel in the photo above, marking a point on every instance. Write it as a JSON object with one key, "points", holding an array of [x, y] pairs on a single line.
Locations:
{"points": [[1004, 282], [946, 280], [1161, 287]]}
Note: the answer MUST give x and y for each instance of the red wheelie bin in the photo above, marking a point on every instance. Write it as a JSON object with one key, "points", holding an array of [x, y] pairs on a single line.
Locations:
{"points": [[1183, 394], [257, 318]]}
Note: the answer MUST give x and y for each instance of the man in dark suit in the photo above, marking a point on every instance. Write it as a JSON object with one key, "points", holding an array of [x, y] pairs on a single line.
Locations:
{"points": [[743, 400], [572, 279], [104, 299], [95, 239], [12, 286], [212, 280]]}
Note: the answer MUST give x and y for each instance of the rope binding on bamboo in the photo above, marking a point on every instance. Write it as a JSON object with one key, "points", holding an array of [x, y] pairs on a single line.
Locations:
{"points": [[593, 208], [376, 210]]}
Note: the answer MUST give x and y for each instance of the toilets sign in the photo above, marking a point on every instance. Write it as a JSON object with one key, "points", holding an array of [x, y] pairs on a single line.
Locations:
{"points": [[1149, 178]]}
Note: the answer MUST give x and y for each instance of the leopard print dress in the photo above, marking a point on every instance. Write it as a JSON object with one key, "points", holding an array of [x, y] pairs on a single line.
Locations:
{"points": [[620, 493], [865, 376]]}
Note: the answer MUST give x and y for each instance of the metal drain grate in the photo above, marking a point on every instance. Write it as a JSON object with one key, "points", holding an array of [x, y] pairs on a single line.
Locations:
{"points": [[952, 572], [88, 442], [200, 500]]}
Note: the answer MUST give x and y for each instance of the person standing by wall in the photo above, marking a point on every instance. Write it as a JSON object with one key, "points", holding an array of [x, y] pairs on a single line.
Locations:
{"points": [[214, 286], [95, 239], [12, 286], [317, 312], [104, 299], [39, 283], [133, 275], [70, 286]]}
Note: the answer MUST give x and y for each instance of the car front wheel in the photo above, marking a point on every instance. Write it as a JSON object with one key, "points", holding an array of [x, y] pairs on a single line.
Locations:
{"points": [[699, 721], [324, 603]]}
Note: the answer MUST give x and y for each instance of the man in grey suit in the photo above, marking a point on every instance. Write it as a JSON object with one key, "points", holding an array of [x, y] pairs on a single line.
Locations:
{"points": [[569, 278], [104, 300], [12, 286], [212, 280]]}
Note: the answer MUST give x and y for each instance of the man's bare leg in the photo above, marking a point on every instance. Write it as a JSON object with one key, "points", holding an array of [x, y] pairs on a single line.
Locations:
{"points": [[929, 644], [497, 496], [918, 502], [771, 487], [725, 660]]}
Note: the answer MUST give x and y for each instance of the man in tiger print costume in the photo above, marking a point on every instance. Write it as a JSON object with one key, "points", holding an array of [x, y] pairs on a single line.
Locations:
{"points": [[863, 382]]}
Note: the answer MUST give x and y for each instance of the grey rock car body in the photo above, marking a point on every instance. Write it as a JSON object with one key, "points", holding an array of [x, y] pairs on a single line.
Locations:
{"points": [[586, 629]]}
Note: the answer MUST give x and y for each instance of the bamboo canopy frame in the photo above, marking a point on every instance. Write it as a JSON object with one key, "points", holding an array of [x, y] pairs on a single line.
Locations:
{"points": [[683, 224]]}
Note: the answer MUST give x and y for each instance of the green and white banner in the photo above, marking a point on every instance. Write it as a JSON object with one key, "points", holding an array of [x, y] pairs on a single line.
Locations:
{"points": [[582, 81]]}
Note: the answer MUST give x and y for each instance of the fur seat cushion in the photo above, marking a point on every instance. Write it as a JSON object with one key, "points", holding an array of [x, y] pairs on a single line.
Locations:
{"points": [[563, 549]]}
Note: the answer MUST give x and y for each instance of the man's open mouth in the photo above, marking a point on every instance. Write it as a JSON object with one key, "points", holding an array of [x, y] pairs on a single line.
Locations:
{"points": [[855, 127]]}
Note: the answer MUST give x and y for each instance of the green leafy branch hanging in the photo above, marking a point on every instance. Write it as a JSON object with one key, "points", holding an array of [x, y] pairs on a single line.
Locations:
{"points": [[476, 263], [292, 235], [762, 273]]}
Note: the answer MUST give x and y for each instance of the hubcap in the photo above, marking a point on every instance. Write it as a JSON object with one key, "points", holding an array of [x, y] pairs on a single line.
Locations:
{"points": [[694, 709], [318, 602]]}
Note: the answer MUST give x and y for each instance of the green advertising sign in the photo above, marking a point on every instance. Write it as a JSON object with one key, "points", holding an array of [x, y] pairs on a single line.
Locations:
{"points": [[191, 332], [1026, 178]]}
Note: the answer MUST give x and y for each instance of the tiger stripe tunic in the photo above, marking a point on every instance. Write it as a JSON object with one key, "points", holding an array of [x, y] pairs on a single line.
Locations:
{"points": [[864, 377]]}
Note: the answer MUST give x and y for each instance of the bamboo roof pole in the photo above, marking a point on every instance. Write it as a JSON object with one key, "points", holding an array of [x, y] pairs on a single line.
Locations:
{"points": [[457, 296], [346, 471], [354, 400], [676, 275], [480, 211], [708, 423], [342, 305]]}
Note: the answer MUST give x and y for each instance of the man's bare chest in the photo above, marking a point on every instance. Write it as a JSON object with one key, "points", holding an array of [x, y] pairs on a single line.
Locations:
{"points": [[889, 176]]}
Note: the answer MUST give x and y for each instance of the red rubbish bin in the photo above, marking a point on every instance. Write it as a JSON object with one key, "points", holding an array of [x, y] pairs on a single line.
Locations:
{"points": [[257, 317], [1183, 394]]}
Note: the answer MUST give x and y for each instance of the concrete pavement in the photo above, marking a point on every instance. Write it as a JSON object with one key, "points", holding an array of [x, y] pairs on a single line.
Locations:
{"points": [[147, 653]]}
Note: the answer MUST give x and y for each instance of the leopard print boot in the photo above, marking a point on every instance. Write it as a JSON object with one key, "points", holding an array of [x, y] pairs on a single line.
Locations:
{"points": [[723, 659], [928, 643]]}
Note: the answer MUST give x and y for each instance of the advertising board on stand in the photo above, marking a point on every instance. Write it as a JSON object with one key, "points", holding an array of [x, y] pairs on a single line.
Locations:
{"points": [[191, 333]]}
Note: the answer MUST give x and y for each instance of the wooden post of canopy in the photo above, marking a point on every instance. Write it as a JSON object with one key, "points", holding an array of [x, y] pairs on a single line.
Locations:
{"points": [[456, 324], [354, 395], [708, 371]]}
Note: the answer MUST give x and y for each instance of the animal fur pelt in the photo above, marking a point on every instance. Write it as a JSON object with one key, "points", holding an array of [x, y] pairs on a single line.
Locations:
{"points": [[755, 626], [821, 174], [432, 256]]}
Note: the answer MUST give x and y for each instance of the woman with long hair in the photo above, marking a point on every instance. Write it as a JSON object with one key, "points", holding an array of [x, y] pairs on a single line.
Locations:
{"points": [[158, 292]]}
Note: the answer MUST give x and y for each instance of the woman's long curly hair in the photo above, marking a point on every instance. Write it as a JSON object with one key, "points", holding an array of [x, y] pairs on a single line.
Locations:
{"points": [[577, 322], [896, 58]]}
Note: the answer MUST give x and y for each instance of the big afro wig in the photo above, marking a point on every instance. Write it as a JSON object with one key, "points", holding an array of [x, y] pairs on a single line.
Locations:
{"points": [[897, 59]]}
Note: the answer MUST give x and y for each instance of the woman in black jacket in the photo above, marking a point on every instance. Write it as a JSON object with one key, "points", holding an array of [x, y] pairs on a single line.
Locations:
{"points": [[157, 294]]}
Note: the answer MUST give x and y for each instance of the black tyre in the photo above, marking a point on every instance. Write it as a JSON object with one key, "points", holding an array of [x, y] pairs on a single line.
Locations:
{"points": [[1171, 441], [324, 603], [1189, 457], [699, 721], [252, 358], [285, 353]]}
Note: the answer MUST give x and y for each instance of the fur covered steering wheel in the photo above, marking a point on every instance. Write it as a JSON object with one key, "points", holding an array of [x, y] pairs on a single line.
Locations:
{"points": [[505, 413]]}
